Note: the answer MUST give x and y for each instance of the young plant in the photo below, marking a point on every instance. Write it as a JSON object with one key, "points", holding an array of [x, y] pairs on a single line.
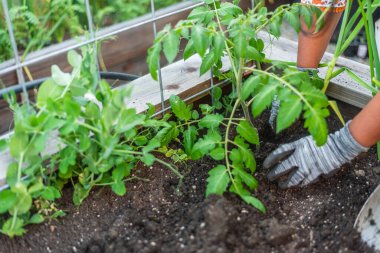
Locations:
{"points": [[99, 141], [219, 33]]}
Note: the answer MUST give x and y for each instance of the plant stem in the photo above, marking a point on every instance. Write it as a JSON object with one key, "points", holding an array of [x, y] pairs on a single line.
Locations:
{"points": [[226, 141]]}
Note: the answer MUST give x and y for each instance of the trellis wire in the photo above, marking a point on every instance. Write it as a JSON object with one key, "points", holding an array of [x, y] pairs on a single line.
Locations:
{"points": [[152, 7], [92, 34], [18, 66]]}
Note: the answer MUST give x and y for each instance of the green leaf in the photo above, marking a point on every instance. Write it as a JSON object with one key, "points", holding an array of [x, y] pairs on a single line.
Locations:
{"points": [[306, 15], [18, 144], [247, 178], [201, 14], [207, 62], [74, 59], [274, 28], [7, 200], [248, 132], [12, 172], [179, 108], [59, 77], [3, 145], [218, 180], [315, 122], [24, 200], [189, 50], [218, 45], [253, 54], [128, 120], [153, 60], [202, 147], [241, 43], [211, 121], [48, 90], [36, 219], [263, 99], [217, 154], [254, 202], [80, 194], [293, 20], [148, 159], [289, 112], [119, 188], [50, 193], [249, 87], [13, 227], [189, 138], [200, 38], [171, 45]]}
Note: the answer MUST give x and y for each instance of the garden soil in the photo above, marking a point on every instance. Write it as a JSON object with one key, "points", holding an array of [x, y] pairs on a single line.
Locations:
{"points": [[152, 217]]}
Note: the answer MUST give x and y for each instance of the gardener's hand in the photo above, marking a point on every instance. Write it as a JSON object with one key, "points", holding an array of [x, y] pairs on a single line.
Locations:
{"points": [[306, 161]]}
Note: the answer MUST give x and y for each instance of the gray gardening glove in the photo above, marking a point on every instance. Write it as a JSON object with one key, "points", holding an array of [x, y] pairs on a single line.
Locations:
{"points": [[276, 103], [306, 161]]}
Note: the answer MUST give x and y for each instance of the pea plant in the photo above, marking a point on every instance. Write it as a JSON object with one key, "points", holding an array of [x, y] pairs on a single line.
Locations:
{"points": [[217, 31], [99, 141]]}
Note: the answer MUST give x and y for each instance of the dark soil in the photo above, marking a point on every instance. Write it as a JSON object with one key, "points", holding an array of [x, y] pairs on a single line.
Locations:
{"points": [[153, 218]]}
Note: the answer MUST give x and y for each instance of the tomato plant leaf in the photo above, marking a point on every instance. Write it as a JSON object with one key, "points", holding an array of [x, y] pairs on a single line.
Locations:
{"points": [[218, 180]]}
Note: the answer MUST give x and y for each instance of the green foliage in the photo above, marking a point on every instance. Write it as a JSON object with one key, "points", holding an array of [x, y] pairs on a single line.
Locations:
{"points": [[218, 29], [99, 143]]}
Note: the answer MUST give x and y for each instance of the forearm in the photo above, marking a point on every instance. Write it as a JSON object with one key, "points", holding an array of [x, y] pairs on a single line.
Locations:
{"points": [[365, 127]]}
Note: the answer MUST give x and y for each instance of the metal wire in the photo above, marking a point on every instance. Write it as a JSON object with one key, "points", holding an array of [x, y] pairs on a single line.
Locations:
{"points": [[98, 38], [18, 67], [92, 34], [159, 64]]}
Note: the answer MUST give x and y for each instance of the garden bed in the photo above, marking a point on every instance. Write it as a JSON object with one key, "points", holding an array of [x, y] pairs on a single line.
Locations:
{"points": [[151, 217]]}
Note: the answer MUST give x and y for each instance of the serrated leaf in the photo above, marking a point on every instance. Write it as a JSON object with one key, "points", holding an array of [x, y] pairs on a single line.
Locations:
{"points": [[254, 202], [248, 132], [201, 14], [274, 28], [180, 109], [253, 54], [306, 15], [189, 50], [247, 178], [217, 154], [189, 138], [289, 111], [171, 45], [315, 122], [211, 121], [263, 99], [207, 62], [148, 159], [293, 20], [13, 227], [218, 180], [200, 38], [153, 60], [249, 87], [202, 147], [218, 46]]}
